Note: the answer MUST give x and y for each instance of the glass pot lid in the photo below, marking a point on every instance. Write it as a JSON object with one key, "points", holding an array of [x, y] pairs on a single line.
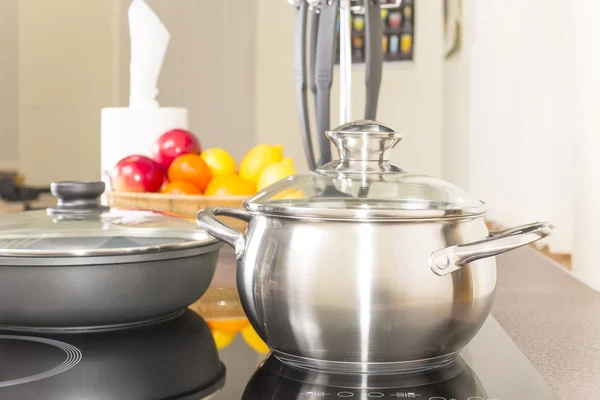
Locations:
{"points": [[364, 184], [79, 226]]}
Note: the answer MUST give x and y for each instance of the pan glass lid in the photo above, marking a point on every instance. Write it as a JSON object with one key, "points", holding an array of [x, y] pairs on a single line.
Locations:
{"points": [[85, 228], [364, 184]]}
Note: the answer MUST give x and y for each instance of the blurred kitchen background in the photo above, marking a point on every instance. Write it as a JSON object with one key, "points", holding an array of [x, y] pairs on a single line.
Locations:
{"points": [[500, 98]]}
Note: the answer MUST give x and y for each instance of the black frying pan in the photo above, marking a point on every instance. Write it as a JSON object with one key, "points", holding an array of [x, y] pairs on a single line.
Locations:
{"points": [[65, 282]]}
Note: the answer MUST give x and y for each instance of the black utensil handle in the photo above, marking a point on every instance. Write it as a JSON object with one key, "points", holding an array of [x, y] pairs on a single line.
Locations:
{"points": [[323, 105], [373, 56], [312, 61], [300, 80], [324, 74], [312, 49]]}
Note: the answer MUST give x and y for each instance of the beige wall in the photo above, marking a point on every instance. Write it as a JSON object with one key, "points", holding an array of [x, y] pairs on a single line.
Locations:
{"points": [[455, 113], [66, 75], [8, 84], [209, 68], [73, 60], [410, 100]]}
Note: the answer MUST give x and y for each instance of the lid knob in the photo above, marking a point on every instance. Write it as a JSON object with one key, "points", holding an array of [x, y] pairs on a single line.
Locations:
{"points": [[364, 140], [77, 198]]}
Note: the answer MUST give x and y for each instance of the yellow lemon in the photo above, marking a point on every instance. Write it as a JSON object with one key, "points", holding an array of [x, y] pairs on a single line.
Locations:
{"points": [[276, 172], [222, 339], [229, 185], [219, 161], [258, 159], [289, 194], [254, 341]]}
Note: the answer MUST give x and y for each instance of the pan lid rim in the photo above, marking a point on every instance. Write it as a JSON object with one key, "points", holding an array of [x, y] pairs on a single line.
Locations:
{"points": [[99, 257]]}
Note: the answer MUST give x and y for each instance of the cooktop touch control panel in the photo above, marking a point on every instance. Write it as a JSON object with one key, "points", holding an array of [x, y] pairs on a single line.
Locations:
{"points": [[383, 394], [332, 393]]}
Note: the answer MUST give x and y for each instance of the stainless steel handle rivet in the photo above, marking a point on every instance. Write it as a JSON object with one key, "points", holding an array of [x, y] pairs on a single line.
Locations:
{"points": [[442, 262]]}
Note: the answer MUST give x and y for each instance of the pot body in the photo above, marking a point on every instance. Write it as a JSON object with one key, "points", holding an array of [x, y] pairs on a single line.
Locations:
{"points": [[361, 296], [47, 295]]}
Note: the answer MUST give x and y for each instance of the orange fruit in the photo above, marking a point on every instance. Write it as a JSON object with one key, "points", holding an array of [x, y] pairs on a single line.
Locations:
{"points": [[228, 325], [180, 187], [222, 339], [190, 168], [254, 341], [229, 185], [219, 161]]}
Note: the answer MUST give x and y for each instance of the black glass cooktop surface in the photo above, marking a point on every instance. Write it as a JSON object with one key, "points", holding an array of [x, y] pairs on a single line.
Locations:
{"points": [[175, 359], [491, 367], [178, 360]]}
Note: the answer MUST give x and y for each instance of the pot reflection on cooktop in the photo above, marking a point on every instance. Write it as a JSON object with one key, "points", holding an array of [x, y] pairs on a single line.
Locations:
{"points": [[490, 367], [176, 359], [277, 380]]}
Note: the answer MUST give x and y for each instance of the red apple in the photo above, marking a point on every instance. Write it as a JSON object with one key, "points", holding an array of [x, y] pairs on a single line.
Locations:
{"points": [[172, 144], [137, 174]]}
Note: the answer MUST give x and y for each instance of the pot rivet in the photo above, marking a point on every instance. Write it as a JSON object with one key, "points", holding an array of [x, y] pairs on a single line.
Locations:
{"points": [[442, 262]]}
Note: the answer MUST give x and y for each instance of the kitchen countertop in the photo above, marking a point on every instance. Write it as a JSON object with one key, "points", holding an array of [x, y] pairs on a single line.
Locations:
{"points": [[554, 319], [43, 201]]}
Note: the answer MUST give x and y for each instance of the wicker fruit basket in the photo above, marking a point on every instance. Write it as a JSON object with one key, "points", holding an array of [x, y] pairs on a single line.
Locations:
{"points": [[184, 205]]}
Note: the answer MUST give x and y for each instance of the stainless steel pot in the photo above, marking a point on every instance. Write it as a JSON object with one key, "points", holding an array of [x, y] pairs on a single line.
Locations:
{"points": [[363, 267], [81, 266]]}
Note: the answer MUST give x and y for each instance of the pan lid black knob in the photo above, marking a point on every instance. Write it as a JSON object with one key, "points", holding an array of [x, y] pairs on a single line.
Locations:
{"points": [[77, 198]]}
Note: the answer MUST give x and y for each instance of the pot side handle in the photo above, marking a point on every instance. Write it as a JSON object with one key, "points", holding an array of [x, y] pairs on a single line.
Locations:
{"points": [[208, 221], [450, 259]]}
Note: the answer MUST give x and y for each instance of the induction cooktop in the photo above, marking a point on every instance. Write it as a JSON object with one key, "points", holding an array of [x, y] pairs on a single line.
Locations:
{"points": [[178, 360], [491, 367]]}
